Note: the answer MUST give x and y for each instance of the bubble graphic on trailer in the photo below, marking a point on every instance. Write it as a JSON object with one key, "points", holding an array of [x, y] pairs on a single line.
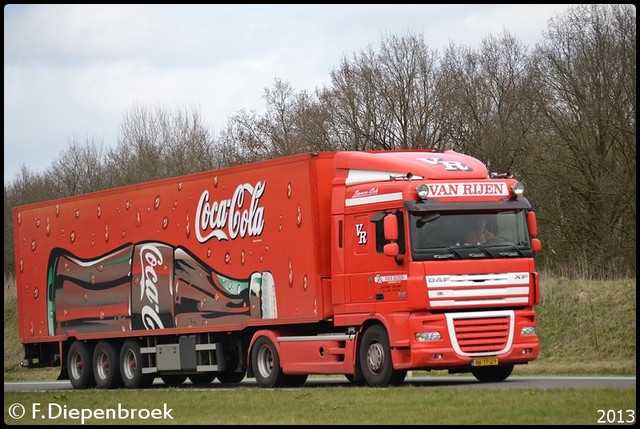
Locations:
{"points": [[149, 285]]}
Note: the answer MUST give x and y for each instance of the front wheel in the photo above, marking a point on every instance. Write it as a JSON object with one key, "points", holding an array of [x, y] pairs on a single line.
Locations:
{"points": [[375, 358], [294, 380], [488, 374], [266, 363]]}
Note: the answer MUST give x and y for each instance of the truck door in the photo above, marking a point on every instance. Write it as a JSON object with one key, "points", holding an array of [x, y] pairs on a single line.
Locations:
{"points": [[390, 271], [368, 272], [358, 237]]}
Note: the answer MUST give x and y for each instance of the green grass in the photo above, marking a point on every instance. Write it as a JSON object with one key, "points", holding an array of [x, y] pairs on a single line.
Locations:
{"points": [[585, 328], [333, 405]]}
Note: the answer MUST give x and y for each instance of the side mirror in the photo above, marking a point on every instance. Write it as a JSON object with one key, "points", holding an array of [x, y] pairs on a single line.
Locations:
{"points": [[536, 244], [391, 227], [392, 249], [532, 224]]}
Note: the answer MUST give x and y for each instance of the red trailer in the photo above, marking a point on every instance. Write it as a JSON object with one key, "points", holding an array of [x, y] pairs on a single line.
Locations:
{"points": [[354, 263]]}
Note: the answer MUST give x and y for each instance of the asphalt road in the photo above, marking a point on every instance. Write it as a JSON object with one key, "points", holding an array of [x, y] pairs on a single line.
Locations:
{"points": [[513, 382]]}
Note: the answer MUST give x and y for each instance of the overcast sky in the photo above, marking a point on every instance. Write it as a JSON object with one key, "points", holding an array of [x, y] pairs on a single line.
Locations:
{"points": [[74, 71]]}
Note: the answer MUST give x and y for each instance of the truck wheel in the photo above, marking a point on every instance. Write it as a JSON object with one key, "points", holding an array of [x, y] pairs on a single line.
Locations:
{"points": [[231, 377], [106, 365], [266, 363], [356, 378], [203, 378], [79, 366], [294, 380], [131, 366], [375, 358], [488, 374], [173, 379]]}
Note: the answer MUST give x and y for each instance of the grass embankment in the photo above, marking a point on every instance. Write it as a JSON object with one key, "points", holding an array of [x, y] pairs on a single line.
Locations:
{"points": [[405, 404], [585, 327]]}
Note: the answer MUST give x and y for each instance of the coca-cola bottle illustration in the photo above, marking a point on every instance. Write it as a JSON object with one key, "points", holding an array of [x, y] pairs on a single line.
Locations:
{"points": [[149, 285]]}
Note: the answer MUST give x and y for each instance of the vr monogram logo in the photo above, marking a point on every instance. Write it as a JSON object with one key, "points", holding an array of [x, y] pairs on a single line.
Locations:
{"points": [[361, 234]]}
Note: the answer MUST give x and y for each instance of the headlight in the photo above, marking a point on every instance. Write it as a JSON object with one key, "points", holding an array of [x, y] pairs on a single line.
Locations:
{"points": [[428, 336], [528, 331], [422, 191], [517, 188]]}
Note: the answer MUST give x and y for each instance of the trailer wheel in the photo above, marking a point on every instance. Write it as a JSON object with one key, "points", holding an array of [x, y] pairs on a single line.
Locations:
{"points": [[131, 366], [173, 379], [231, 377], [266, 363], [488, 374], [202, 378], [375, 358], [106, 365], [79, 367]]}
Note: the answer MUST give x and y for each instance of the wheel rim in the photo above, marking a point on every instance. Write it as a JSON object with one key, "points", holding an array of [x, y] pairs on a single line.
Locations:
{"points": [[265, 362], [102, 366], [76, 366], [375, 357], [130, 365]]}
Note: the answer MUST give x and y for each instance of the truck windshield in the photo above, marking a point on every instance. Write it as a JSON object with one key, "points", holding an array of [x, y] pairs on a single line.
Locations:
{"points": [[466, 235]]}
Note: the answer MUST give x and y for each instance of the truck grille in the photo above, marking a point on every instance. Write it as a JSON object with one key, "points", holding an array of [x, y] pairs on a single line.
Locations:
{"points": [[481, 333], [475, 290]]}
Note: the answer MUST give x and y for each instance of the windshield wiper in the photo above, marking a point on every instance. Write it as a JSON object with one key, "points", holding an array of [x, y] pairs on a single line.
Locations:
{"points": [[502, 250], [468, 251]]}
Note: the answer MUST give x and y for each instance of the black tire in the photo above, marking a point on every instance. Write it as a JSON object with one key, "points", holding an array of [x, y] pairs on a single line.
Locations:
{"points": [[106, 365], [294, 380], [265, 362], [202, 379], [231, 377], [375, 358], [79, 366], [356, 378], [173, 379], [397, 378], [131, 366], [489, 374]]}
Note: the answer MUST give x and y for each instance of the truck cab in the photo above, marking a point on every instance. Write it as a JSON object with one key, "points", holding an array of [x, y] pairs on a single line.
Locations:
{"points": [[407, 260]]}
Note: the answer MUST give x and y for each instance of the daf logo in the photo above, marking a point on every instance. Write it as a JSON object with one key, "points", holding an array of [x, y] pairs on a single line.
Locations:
{"points": [[438, 279]]}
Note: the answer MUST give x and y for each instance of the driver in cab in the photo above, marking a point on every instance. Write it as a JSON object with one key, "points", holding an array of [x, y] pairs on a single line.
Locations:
{"points": [[478, 233]]}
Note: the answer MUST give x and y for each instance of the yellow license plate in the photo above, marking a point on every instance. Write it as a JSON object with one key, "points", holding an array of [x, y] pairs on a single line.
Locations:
{"points": [[484, 362]]}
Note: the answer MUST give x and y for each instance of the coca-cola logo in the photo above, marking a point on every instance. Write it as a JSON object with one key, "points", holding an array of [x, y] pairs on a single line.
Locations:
{"points": [[230, 218], [150, 258]]}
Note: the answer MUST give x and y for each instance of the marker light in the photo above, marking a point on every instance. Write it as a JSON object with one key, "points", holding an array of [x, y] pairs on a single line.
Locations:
{"points": [[518, 188], [428, 336], [423, 191], [527, 331]]}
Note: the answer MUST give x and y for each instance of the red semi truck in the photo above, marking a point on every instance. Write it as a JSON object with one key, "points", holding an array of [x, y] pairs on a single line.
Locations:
{"points": [[354, 263]]}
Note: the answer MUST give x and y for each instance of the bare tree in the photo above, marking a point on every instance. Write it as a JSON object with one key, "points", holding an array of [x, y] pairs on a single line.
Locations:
{"points": [[78, 169], [187, 146], [158, 143], [485, 103], [586, 74], [386, 99], [26, 188], [293, 123]]}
